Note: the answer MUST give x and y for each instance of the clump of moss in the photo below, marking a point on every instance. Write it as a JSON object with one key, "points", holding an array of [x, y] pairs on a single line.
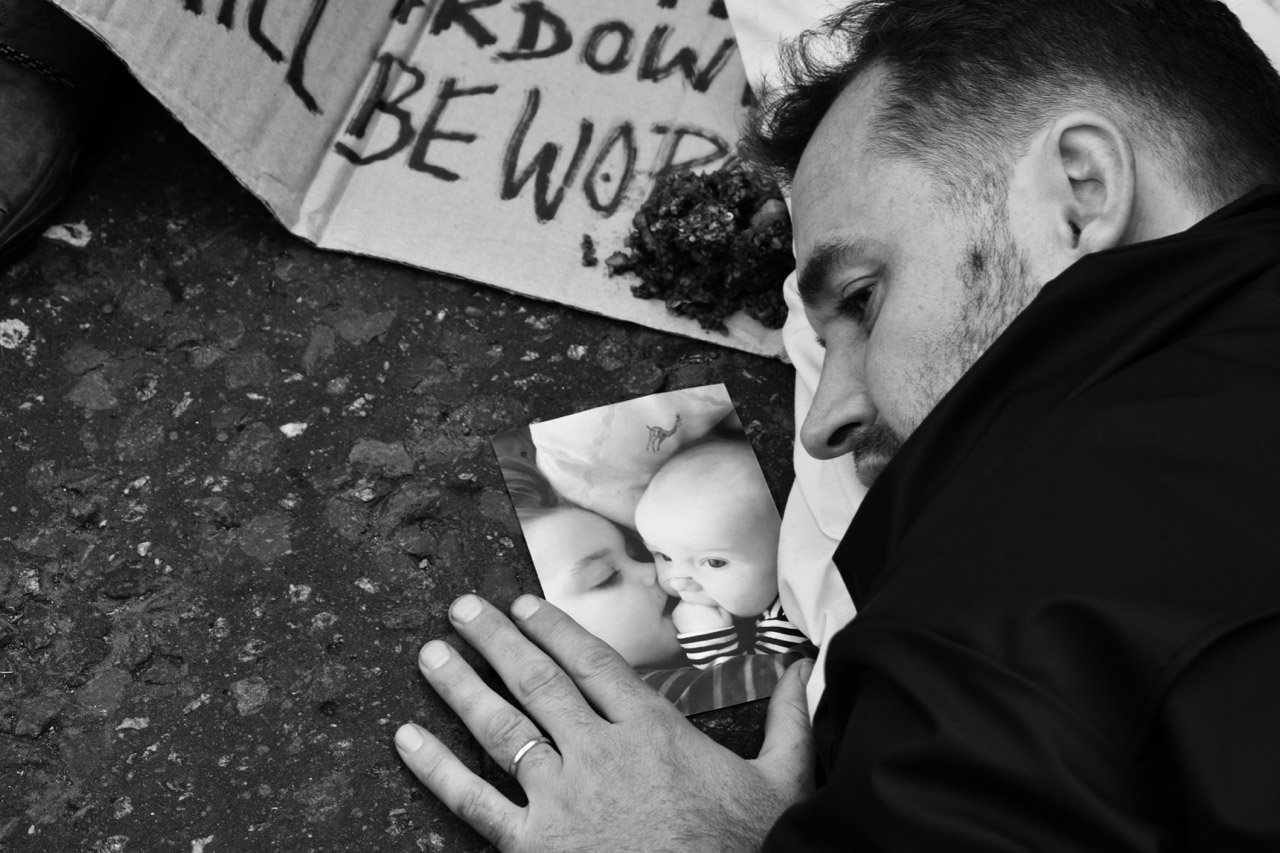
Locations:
{"points": [[711, 244]]}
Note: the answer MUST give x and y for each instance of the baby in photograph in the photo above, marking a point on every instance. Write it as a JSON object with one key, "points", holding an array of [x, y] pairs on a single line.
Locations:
{"points": [[713, 529]]}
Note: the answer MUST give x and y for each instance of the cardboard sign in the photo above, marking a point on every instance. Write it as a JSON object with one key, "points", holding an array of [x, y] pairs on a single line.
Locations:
{"points": [[480, 138]]}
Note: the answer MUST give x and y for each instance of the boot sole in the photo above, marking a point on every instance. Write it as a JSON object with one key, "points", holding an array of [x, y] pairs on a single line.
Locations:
{"points": [[30, 220]]}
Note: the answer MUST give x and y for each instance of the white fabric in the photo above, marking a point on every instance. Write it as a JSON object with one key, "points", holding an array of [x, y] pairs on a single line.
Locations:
{"points": [[825, 495]]}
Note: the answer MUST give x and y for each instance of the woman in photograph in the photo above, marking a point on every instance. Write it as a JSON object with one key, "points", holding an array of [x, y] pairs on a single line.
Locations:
{"points": [[594, 570], [599, 573]]}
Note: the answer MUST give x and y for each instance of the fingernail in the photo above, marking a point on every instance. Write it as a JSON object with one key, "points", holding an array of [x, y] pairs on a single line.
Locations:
{"points": [[434, 654], [525, 606], [465, 608], [806, 670], [408, 738]]}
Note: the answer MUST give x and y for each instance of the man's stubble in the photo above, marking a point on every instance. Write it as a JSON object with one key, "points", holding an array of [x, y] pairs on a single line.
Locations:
{"points": [[997, 287]]}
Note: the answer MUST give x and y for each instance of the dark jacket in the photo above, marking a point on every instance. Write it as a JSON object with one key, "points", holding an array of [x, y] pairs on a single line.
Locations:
{"points": [[1068, 579]]}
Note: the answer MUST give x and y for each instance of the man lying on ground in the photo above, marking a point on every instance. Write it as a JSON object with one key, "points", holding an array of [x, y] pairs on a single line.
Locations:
{"points": [[1040, 247]]}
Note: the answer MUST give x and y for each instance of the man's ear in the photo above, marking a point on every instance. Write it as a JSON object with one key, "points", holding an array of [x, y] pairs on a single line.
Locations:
{"points": [[1091, 162]]}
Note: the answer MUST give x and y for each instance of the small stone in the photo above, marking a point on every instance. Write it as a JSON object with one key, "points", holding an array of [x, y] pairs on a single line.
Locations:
{"points": [[254, 452], [642, 378], [80, 358], [266, 537], [613, 354], [486, 414], [416, 542], [184, 334], [229, 332], [36, 715], [447, 449], [327, 479], [348, 520], [319, 349], [114, 844], [230, 417], [451, 550], [132, 645], [389, 459], [690, 375], [252, 650], [93, 392], [422, 373], [249, 369], [218, 510], [204, 357], [162, 668], [323, 800], [105, 693], [356, 327], [147, 302], [408, 617], [251, 695], [140, 440], [43, 477], [122, 807], [411, 503]]}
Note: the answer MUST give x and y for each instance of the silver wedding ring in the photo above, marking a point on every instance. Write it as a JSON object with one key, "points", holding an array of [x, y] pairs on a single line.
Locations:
{"points": [[524, 750]]}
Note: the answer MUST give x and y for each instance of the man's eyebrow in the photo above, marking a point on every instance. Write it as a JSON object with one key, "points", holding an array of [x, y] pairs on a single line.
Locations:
{"points": [[594, 556], [825, 259]]}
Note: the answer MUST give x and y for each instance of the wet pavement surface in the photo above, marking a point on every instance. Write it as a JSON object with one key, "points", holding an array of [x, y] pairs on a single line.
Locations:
{"points": [[241, 480]]}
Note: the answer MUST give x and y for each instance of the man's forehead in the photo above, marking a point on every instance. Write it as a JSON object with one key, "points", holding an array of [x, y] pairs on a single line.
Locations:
{"points": [[837, 181], [844, 133]]}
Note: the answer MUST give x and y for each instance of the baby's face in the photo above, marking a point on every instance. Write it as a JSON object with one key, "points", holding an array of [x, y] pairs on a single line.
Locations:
{"points": [[717, 550]]}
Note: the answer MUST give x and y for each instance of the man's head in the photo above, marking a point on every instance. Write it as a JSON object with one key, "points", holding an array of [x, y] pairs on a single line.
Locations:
{"points": [[712, 527], [948, 157]]}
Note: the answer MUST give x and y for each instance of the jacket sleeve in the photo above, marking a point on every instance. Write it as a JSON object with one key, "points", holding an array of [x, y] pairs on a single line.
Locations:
{"points": [[1216, 742], [948, 750]]}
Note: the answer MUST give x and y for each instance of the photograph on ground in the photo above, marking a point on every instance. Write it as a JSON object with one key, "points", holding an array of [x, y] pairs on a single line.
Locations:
{"points": [[650, 523]]}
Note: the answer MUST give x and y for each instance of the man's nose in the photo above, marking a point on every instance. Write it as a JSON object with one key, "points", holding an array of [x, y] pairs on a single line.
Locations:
{"points": [[841, 407]]}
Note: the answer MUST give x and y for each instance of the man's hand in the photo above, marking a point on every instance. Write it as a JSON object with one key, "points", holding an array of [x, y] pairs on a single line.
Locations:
{"points": [[692, 618], [626, 771]]}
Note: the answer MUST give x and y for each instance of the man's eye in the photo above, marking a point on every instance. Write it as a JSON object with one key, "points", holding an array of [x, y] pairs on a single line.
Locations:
{"points": [[715, 562], [613, 577], [854, 305]]}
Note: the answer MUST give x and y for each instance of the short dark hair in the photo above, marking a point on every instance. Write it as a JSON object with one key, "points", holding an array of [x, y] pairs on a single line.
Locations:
{"points": [[970, 81]]}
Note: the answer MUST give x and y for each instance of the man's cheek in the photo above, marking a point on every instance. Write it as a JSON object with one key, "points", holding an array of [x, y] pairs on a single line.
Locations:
{"points": [[888, 385]]}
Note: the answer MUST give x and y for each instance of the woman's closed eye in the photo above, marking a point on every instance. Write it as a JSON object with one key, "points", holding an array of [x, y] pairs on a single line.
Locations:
{"points": [[658, 555], [611, 579]]}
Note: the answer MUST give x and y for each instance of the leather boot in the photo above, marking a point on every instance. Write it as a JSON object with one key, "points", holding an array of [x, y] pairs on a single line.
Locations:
{"points": [[50, 74]]}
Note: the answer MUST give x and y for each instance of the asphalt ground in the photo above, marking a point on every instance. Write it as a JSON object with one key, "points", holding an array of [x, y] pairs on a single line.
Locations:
{"points": [[208, 627]]}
